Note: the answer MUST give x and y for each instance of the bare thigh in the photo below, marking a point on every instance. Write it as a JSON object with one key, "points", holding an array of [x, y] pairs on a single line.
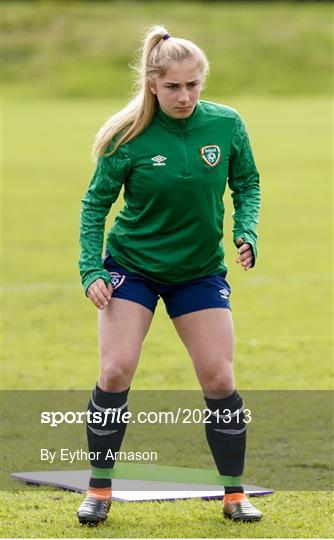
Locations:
{"points": [[123, 326], [209, 338]]}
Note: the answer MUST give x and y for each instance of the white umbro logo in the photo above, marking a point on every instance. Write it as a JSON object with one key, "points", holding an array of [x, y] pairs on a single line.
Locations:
{"points": [[224, 293], [158, 161]]}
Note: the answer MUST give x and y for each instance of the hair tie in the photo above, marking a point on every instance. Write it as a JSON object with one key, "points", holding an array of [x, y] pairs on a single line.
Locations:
{"points": [[166, 36]]}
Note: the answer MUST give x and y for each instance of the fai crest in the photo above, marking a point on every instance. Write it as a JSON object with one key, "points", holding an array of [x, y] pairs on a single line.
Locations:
{"points": [[211, 154], [116, 279]]}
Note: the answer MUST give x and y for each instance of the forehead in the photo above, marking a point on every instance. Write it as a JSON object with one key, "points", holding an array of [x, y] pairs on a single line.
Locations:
{"points": [[183, 71]]}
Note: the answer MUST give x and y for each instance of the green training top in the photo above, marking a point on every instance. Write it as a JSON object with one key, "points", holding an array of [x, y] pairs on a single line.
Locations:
{"points": [[174, 175]]}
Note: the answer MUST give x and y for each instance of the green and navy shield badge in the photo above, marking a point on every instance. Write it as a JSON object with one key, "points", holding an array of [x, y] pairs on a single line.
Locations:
{"points": [[211, 154]]}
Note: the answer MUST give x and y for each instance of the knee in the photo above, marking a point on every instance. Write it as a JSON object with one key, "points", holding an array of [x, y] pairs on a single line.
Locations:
{"points": [[115, 377], [219, 384]]}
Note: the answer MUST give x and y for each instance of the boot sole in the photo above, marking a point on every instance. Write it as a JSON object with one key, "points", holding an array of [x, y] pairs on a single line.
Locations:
{"points": [[245, 518]]}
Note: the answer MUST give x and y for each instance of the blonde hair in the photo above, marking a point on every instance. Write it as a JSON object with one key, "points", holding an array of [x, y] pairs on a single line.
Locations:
{"points": [[156, 56]]}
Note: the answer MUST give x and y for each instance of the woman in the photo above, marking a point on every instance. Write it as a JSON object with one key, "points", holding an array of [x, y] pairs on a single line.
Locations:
{"points": [[173, 154]]}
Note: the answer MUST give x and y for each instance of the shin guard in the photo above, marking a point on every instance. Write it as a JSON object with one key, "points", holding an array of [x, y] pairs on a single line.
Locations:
{"points": [[105, 436], [226, 434]]}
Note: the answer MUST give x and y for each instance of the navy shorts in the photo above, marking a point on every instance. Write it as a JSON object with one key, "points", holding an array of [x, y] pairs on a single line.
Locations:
{"points": [[181, 298]]}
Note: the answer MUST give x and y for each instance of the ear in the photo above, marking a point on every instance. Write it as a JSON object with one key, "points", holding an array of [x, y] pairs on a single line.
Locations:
{"points": [[153, 87]]}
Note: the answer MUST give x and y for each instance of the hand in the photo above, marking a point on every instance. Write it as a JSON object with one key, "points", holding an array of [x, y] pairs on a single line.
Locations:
{"points": [[99, 294], [246, 257]]}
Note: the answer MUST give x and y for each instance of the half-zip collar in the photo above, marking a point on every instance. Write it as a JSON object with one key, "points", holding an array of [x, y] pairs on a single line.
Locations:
{"points": [[180, 124]]}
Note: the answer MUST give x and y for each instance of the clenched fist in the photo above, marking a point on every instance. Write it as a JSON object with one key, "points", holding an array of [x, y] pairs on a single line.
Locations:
{"points": [[99, 293], [246, 257]]}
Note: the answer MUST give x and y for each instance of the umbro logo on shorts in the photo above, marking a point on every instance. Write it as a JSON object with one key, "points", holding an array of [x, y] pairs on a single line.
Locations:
{"points": [[116, 279], [224, 293], [159, 161]]}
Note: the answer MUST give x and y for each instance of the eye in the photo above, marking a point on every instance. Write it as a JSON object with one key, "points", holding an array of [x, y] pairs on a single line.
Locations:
{"points": [[192, 84]]}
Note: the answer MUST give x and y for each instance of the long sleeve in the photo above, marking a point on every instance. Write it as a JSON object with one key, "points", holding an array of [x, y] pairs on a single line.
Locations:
{"points": [[244, 184], [109, 176]]}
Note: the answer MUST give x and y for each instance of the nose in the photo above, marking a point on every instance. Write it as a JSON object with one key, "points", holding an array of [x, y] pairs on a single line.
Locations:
{"points": [[183, 96]]}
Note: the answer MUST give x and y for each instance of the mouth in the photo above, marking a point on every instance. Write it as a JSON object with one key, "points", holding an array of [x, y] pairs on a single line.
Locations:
{"points": [[183, 109]]}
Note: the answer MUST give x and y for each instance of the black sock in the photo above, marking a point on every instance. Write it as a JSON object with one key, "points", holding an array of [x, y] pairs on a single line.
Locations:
{"points": [[105, 436], [99, 482], [233, 489], [226, 435]]}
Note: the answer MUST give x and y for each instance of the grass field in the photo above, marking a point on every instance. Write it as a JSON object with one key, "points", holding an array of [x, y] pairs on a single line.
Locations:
{"points": [[276, 59], [83, 48], [287, 515], [281, 308]]}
